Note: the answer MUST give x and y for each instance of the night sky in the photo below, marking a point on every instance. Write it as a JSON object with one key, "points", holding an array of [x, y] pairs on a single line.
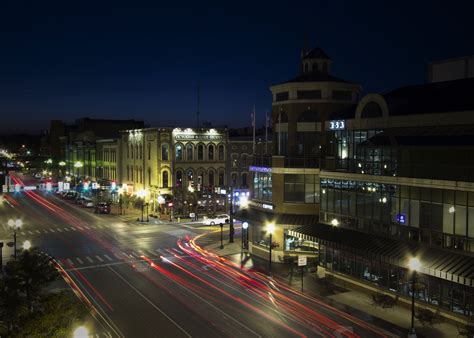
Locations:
{"points": [[71, 59]]}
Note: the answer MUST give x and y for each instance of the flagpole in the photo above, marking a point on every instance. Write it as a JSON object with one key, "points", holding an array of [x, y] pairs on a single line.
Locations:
{"points": [[253, 123], [266, 132]]}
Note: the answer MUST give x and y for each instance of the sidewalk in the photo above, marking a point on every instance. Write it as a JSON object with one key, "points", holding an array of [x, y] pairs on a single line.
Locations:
{"points": [[352, 301]]}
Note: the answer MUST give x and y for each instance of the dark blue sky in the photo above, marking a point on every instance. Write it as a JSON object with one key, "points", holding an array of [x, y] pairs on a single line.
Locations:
{"points": [[142, 60]]}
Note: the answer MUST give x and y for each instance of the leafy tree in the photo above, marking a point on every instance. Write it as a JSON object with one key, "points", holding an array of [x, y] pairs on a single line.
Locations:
{"points": [[57, 315], [12, 305]]}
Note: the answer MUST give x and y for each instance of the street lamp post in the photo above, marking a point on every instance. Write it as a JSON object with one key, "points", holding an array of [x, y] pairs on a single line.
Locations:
{"points": [[245, 226], [231, 217], [414, 265], [14, 225], [222, 233], [270, 230]]}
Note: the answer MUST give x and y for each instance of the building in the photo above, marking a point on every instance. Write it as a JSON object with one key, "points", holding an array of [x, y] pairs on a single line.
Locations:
{"points": [[451, 69], [286, 185], [391, 180], [108, 161], [174, 161]]}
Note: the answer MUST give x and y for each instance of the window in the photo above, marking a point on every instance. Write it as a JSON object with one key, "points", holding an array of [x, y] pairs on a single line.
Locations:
{"points": [[131, 151], [283, 96], [179, 178], [235, 160], [149, 151], [179, 152], [211, 178], [189, 152], [315, 67], [244, 180], [244, 160], [342, 95], [308, 94], [221, 178], [221, 152], [128, 173], [136, 151], [306, 66], [200, 152], [294, 188], [262, 186], [149, 176], [234, 179], [165, 179], [128, 152], [200, 175], [164, 152], [189, 175], [325, 67], [210, 153]]}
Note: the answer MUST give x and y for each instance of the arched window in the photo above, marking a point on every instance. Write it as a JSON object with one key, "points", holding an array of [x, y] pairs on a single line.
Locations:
{"points": [[164, 152], [149, 151], [371, 109], [136, 151], [315, 67], [131, 150], [179, 152], [200, 175], [189, 152], [210, 152], [221, 178], [221, 152], [244, 180], [164, 178], [189, 176], [128, 173], [140, 174], [200, 152], [243, 160], [211, 177], [234, 179], [179, 178], [149, 176]]}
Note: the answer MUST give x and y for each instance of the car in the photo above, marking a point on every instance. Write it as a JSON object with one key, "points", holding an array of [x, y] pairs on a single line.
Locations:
{"points": [[87, 203], [224, 218], [102, 208]]}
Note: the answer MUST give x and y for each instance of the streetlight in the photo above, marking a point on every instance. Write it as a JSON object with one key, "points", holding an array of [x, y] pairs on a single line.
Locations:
{"points": [[245, 226], [26, 245], [81, 332], [270, 231], [14, 225], [414, 265]]}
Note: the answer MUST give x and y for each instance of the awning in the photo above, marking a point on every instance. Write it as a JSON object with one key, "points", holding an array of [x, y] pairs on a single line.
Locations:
{"points": [[440, 263], [262, 217]]}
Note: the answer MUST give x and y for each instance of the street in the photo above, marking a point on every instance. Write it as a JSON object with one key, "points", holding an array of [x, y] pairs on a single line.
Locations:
{"points": [[150, 280]]}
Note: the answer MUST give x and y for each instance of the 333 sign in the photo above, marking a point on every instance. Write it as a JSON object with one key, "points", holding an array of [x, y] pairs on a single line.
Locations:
{"points": [[337, 125]]}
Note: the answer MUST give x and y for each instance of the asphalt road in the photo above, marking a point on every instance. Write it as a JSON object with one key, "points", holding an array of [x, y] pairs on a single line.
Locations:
{"points": [[152, 280]]}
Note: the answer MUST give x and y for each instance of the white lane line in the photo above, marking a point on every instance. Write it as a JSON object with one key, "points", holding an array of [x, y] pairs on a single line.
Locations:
{"points": [[89, 259], [87, 227], [23, 233], [73, 229], [150, 302], [134, 254], [98, 226], [118, 256], [37, 231], [30, 232], [66, 229], [79, 260], [59, 230], [80, 228], [52, 230], [110, 259], [70, 261], [100, 259]]}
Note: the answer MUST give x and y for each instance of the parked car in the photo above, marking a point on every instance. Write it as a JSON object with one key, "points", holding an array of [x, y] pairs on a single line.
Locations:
{"points": [[102, 208], [216, 220], [87, 203]]}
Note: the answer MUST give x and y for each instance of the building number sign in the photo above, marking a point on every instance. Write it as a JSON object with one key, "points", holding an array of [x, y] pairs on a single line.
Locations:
{"points": [[337, 125]]}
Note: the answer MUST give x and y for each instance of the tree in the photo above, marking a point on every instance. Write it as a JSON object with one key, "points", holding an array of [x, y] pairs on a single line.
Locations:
{"points": [[12, 305], [57, 315], [36, 273]]}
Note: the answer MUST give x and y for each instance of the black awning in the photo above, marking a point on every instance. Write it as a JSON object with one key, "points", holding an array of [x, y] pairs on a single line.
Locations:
{"points": [[260, 216], [435, 262]]}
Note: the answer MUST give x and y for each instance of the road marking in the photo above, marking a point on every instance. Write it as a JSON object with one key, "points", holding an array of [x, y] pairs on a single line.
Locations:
{"points": [[100, 259], [110, 259], [150, 302], [135, 254], [99, 226], [118, 256], [59, 230], [38, 232], [66, 229], [79, 260], [89, 259], [87, 227], [150, 253], [30, 232], [73, 229], [23, 233], [70, 261], [52, 230], [80, 228]]}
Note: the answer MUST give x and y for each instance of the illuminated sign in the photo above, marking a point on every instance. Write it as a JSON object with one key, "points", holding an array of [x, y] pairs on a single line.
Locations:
{"points": [[198, 137], [260, 169], [261, 205], [337, 125], [401, 218]]}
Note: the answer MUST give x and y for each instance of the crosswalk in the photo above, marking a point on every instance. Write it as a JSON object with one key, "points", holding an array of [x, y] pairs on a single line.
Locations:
{"points": [[63, 229], [118, 257]]}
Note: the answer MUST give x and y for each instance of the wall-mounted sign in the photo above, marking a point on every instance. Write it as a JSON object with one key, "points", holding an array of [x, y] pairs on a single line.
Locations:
{"points": [[198, 137], [261, 205], [260, 169], [337, 125]]}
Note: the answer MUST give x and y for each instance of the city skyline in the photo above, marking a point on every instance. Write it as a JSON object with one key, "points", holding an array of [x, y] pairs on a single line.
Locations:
{"points": [[143, 63]]}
